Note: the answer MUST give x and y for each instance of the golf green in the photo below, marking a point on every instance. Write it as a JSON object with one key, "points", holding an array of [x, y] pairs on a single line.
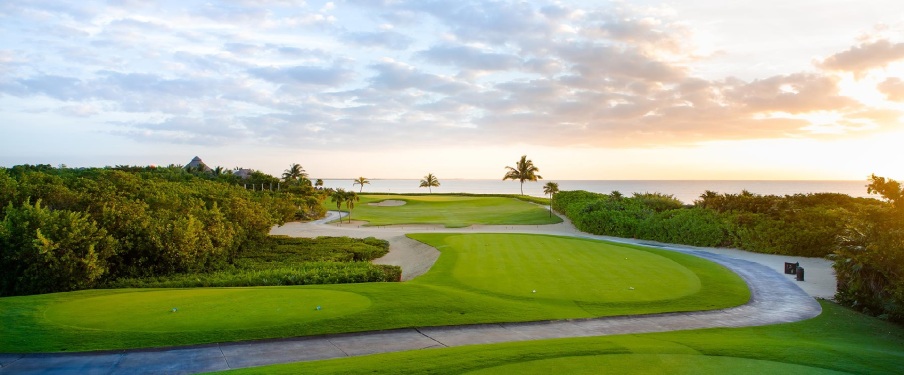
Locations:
{"points": [[564, 268], [208, 309], [652, 364]]}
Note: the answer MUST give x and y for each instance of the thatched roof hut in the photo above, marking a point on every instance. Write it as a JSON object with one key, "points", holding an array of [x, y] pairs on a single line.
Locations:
{"points": [[197, 165]]}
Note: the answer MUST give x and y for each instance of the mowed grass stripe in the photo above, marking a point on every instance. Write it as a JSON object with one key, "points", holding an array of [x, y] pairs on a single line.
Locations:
{"points": [[450, 211]]}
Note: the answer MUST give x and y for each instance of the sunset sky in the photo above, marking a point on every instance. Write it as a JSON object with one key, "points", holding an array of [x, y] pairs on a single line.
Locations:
{"points": [[703, 89]]}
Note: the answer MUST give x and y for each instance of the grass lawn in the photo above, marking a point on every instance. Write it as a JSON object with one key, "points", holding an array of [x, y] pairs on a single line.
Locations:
{"points": [[479, 278], [453, 211], [838, 341]]}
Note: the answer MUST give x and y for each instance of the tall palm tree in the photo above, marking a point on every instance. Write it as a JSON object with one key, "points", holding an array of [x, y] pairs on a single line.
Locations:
{"points": [[319, 183], [361, 181], [550, 189], [338, 197], [350, 198], [524, 170], [294, 173], [430, 181]]}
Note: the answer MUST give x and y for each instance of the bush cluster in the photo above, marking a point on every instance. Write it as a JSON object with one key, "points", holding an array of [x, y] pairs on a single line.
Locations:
{"points": [[802, 224], [65, 229]]}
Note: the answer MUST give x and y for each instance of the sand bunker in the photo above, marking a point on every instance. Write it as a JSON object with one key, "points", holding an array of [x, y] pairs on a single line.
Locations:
{"points": [[388, 203]]}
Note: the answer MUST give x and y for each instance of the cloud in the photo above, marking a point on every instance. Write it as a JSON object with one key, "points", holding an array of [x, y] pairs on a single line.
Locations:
{"points": [[794, 93], [80, 110], [392, 75], [211, 131], [466, 57], [382, 39], [305, 75], [54, 86], [893, 88], [866, 56]]}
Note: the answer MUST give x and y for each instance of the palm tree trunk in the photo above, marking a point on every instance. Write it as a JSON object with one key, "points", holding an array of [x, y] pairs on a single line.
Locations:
{"points": [[522, 187]]}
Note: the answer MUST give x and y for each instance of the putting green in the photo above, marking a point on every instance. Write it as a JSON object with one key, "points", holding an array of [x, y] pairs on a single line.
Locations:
{"points": [[652, 364], [204, 309], [562, 268]]}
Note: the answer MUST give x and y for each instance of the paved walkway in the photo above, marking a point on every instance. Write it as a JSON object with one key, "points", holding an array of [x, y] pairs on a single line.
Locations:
{"points": [[774, 299]]}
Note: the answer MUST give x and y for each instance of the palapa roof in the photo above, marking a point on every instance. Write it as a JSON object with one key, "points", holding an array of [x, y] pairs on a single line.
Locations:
{"points": [[197, 164]]}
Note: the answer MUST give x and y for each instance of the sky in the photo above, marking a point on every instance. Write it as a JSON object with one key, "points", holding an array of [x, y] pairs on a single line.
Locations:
{"points": [[622, 90]]}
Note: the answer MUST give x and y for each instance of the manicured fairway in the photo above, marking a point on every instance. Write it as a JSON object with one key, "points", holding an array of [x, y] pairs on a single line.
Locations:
{"points": [[479, 278], [453, 211], [838, 341]]}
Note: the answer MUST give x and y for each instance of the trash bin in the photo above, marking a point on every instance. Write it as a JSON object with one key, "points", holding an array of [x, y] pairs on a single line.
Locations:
{"points": [[791, 268], [800, 274]]}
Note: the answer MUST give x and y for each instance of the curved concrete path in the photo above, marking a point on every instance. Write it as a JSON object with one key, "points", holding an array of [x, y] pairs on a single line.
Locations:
{"points": [[774, 299]]}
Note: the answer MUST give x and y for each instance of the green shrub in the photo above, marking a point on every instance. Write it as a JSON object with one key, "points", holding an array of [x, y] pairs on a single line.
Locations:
{"points": [[309, 273]]}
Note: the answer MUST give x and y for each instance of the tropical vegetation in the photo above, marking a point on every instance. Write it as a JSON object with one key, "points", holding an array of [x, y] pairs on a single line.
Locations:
{"points": [[68, 229], [361, 181], [550, 189], [869, 262], [524, 170], [430, 181]]}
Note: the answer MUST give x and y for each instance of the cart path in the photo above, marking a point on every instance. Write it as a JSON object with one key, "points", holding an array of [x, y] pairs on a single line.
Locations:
{"points": [[774, 299]]}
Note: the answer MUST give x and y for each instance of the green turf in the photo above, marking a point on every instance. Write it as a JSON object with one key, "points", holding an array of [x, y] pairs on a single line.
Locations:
{"points": [[839, 340], [520, 267], [573, 278], [673, 364], [209, 309], [449, 210]]}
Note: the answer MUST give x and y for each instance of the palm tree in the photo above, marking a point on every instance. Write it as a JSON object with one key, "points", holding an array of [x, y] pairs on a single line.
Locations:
{"points": [[338, 196], [550, 189], [350, 198], [430, 181], [294, 173], [361, 181], [319, 183], [524, 170]]}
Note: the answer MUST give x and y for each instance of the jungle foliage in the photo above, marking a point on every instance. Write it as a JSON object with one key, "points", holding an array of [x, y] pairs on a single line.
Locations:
{"points": [[869, 263], [66, 229]]}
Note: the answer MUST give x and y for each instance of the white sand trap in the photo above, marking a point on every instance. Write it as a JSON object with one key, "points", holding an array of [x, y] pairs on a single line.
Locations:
{"points": [[388, 203]]}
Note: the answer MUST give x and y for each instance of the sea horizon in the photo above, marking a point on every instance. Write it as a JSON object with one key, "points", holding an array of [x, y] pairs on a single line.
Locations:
{"points": [[684, 190]]}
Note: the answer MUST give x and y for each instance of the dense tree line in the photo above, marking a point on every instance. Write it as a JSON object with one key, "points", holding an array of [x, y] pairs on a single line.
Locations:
{"points": [[801, 224], [67, 229], [869, 263], [864, 236]]}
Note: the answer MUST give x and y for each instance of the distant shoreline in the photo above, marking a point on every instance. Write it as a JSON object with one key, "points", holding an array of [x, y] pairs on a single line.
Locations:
{"points": [[685, 190]]}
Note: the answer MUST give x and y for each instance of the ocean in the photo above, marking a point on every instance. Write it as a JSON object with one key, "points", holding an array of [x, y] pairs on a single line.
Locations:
{"points": [[685, 190]]}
